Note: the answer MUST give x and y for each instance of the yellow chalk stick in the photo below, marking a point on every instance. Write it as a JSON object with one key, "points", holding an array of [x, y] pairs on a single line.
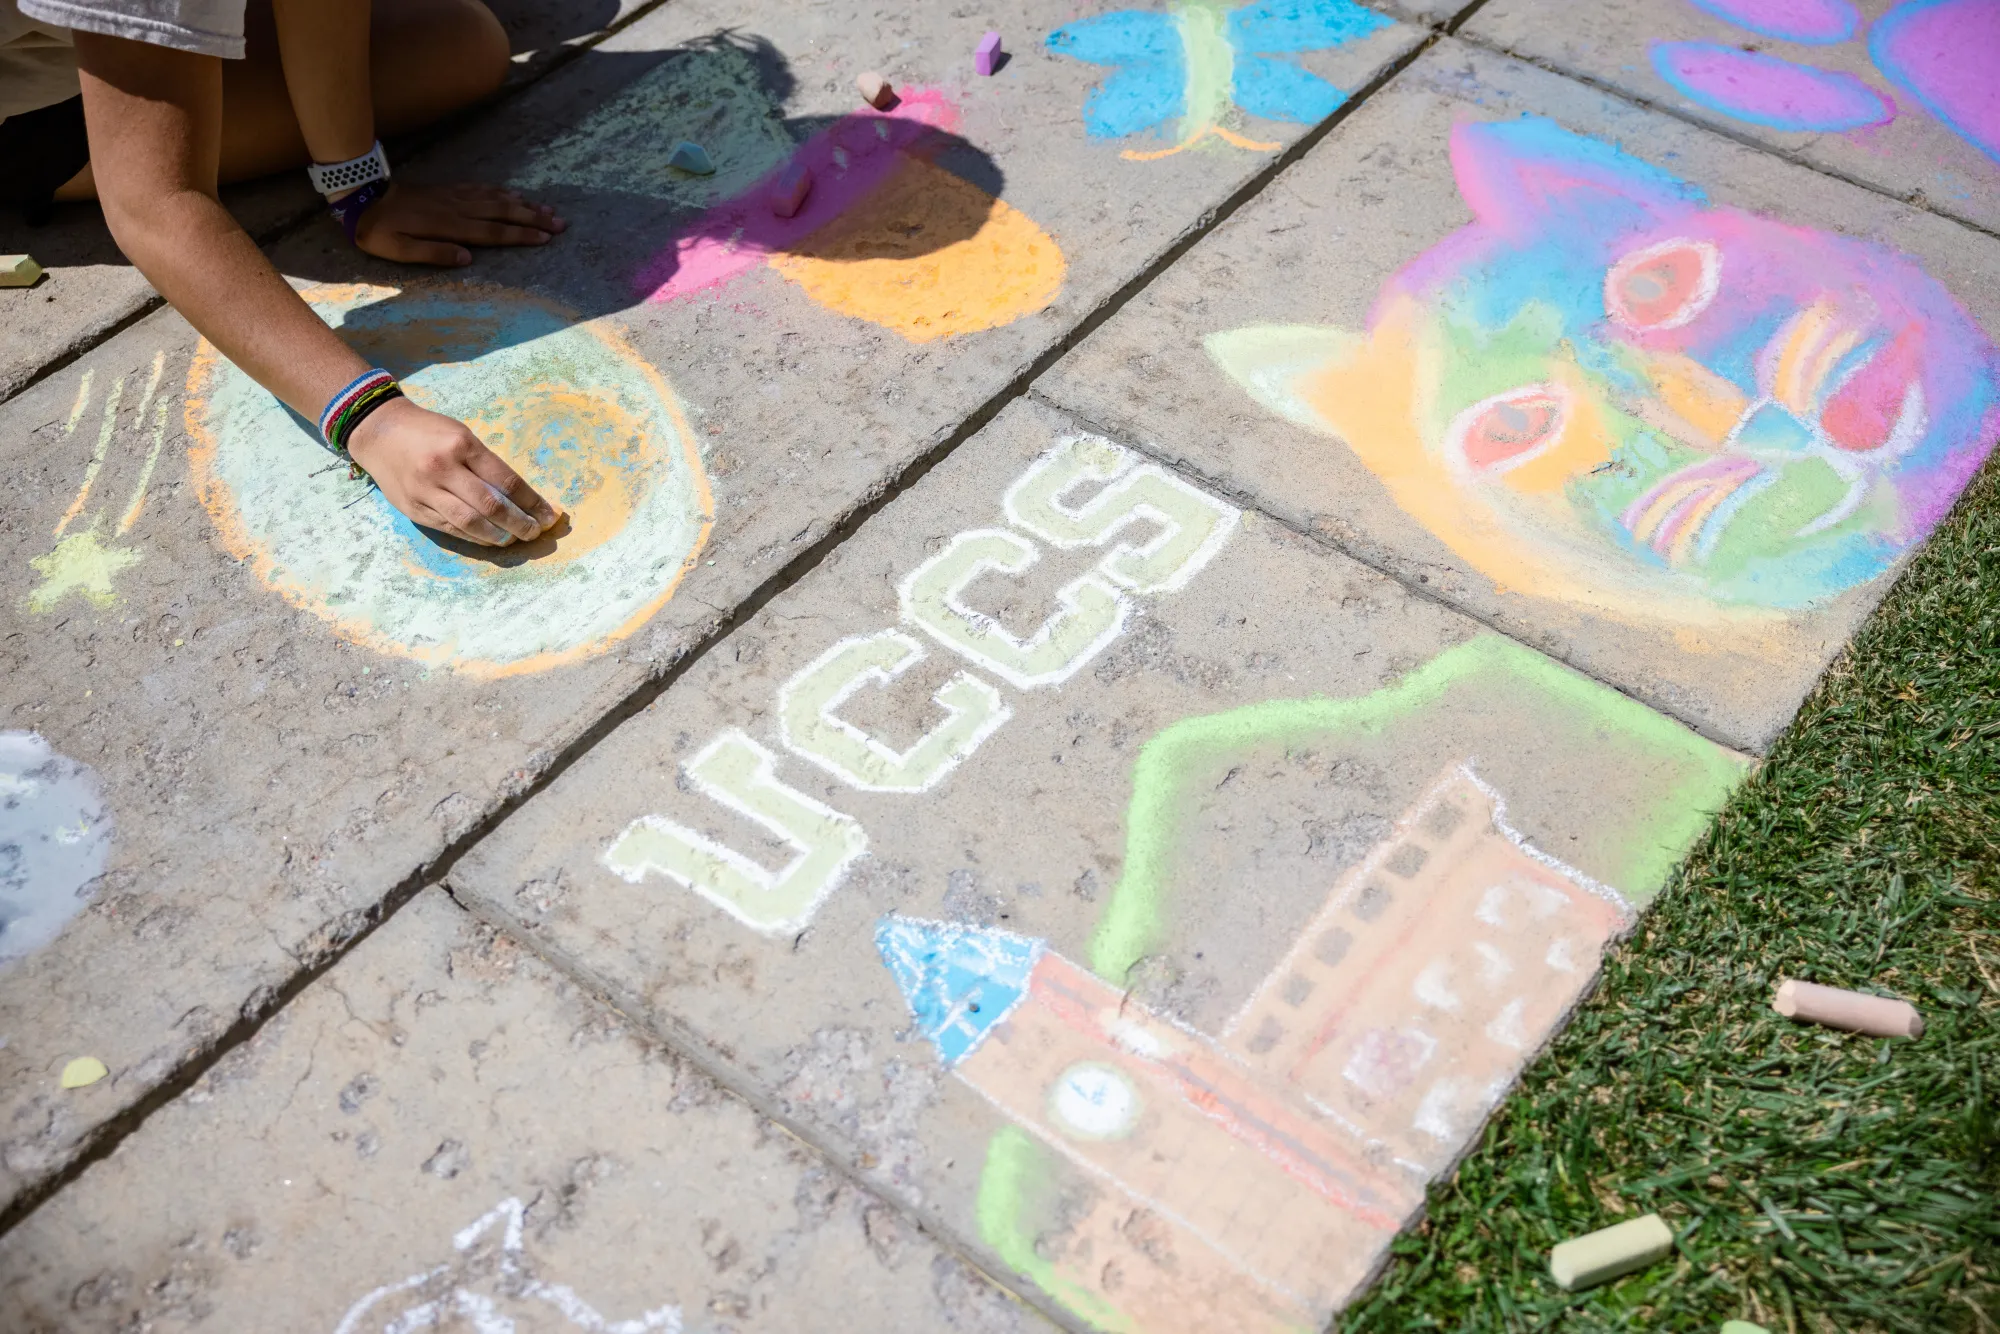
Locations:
{"points": [[1877, 1016], [83, 1072], [18, 271], [1583, 1262]]}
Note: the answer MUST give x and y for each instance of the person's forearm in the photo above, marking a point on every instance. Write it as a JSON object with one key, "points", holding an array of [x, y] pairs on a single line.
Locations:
{"points": [[154, 118], [189, 248], [323, 45]]}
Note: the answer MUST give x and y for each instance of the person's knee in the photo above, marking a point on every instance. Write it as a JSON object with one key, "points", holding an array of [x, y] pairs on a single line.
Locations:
{"points": [[487, 54], [433, 57]]}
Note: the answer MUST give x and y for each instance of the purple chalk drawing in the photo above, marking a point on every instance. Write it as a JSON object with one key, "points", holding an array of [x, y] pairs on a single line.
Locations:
{"points": [[1946, 54], [1766, 90], [1819, 22]]}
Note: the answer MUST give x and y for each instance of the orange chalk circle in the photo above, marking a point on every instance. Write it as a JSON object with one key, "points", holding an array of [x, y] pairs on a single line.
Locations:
{"points": [[1877, 1016], [874, 263]]}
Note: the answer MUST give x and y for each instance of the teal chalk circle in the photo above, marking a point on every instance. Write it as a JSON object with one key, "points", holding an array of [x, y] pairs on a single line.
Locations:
{"points": [[570, 405], [55, 834]]}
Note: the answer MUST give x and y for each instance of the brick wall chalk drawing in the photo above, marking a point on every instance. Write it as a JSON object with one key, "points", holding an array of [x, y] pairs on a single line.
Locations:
{"points": [[1606, 391], [1156, 1178], [1182, 528], [572, 406]]}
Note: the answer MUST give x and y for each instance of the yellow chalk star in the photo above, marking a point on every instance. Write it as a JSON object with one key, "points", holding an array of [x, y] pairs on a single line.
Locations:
{"points": [[79, 564]]}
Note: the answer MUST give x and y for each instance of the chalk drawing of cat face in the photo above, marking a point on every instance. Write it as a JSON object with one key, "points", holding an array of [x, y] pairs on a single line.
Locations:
{"points": [[491, 1276], [1606, 391]]}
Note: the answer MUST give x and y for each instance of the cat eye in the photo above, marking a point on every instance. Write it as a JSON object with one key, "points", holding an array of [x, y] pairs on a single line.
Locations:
{"points": [[1508, 429], [1663, 286]]}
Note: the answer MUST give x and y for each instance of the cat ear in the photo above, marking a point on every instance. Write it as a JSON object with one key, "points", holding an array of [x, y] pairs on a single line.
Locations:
{"points": [[1272, 362], [1528, 177]]}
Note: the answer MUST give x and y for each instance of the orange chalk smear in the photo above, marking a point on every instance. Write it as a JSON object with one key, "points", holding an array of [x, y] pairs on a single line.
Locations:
{"points": [[876, 262]]}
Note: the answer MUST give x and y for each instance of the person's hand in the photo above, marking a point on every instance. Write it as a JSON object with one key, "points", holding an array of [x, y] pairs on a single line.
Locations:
{"points": [[432, 224], [437, 472]]}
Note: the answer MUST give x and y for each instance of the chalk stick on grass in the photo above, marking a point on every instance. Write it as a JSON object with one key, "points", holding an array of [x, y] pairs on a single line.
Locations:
{"points": [[691, 157], [1742, 1327], [986, 58], [788, 193], [1877, 1016], [1584, 1262], [875, 90], [19, 271]]}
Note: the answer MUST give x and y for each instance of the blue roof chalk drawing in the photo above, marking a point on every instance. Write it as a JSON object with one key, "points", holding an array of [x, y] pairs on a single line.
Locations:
{"points": [[960, 981]]}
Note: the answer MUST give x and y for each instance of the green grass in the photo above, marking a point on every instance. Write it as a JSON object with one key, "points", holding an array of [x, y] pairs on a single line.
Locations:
{"points": [[1818, 1181]]}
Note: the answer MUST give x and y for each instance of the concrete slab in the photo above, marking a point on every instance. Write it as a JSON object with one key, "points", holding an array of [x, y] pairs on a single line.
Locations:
{"points": [[441, 1133], [1145, 895], [1693, 487], [1868, 90], [290, 698]]}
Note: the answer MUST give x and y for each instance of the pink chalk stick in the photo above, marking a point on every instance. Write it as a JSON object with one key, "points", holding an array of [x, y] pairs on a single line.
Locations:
{"points": [[1877, 1016], [988, 54], [790, 191]]}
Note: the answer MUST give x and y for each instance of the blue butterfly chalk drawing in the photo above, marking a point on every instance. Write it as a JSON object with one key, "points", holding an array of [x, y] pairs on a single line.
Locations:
{"points": [[1199, 61]]}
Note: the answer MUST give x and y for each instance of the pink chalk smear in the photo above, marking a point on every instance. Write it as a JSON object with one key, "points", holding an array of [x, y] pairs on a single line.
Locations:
{"points": [[1768, 90], [1947, 53], [848, 161]]}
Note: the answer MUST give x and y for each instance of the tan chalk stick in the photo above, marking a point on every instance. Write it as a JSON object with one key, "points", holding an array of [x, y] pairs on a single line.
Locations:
{"points": [[1599, 1257], [1877, 1016], [875, 90], [19, 271]]}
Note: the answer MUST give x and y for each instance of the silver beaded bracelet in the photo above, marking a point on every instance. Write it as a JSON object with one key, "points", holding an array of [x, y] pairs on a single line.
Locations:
{"points": [[329, 177]]}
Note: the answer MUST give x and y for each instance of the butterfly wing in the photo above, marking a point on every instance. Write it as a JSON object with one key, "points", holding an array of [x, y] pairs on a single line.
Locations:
{"points": [[1277, 89], [1275, 27], [1149, 84]]}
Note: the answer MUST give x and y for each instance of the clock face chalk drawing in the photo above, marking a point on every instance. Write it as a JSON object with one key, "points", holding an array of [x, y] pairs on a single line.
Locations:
{"points": [[570, 405]]}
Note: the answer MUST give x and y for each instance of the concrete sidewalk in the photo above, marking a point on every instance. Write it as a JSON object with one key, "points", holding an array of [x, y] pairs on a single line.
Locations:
{"points": [[1105, 689]]}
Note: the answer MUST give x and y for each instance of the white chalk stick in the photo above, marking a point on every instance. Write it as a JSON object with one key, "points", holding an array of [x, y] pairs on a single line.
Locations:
{"points": [[875, 90], [1742, 1327], [1584, 1262], [18, 271], [1877, 1016]]}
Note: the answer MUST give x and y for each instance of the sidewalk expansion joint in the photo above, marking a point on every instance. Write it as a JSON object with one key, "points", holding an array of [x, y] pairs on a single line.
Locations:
{"points": [[689, 1046], [106, 1139], [1248, 500]]}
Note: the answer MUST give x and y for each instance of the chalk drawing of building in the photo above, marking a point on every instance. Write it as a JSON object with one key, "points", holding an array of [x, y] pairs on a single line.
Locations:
{"points": [[1262, 1175]]}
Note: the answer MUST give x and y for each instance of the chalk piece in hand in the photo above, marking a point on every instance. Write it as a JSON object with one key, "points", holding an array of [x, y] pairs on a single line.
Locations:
{"points": [[1877, 1016], [875, 91], [788, 196], [691, 157], [1584, 1262], [987, 56], [1742, 1327], [83, 1072], [18, 271]]}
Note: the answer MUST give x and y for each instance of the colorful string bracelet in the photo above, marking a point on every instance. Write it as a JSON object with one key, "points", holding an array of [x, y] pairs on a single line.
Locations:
{"points": [[350, 407]]}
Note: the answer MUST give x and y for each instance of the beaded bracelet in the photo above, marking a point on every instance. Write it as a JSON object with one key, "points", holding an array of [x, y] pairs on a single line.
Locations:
{"points": [[350, 407]]}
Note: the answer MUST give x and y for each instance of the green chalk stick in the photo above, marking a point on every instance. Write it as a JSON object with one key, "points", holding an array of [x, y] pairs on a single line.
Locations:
{"points": [[1742, 1327], [1583, 1262]]}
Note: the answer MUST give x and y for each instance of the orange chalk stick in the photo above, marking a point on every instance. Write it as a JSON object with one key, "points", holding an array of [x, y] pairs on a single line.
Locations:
{"points": [[1877, 1016]]}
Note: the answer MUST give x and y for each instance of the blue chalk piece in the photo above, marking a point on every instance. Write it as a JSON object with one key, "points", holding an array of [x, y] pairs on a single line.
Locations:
{"points": [[691, 157]]}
